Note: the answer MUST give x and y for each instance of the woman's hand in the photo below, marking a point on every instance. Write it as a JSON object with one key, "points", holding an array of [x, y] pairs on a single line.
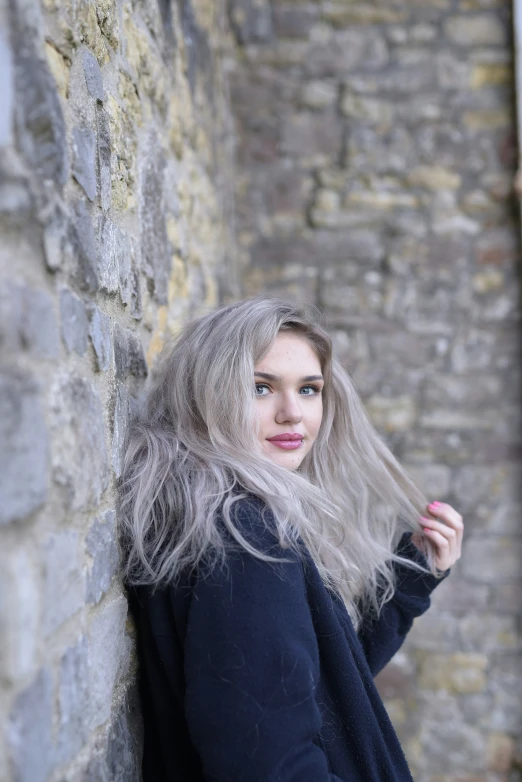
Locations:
{"points": [[445, 532]]}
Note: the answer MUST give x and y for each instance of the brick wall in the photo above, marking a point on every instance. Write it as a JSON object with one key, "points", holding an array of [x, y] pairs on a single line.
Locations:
{"points": [[376, 153], [116, 218]]}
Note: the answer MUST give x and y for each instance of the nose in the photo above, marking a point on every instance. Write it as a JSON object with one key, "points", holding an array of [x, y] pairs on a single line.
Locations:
{"points": [[289, 411]]}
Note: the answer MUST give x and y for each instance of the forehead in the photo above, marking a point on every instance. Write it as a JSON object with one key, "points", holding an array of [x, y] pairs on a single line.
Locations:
{"points": [[290, 352]]}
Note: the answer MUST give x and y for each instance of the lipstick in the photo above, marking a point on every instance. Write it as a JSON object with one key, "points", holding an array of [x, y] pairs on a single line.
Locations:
{"points": [[289, 441]]}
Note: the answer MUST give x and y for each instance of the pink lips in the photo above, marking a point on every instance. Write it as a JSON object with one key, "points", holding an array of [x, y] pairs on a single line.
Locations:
{"points": [[288, 441]]}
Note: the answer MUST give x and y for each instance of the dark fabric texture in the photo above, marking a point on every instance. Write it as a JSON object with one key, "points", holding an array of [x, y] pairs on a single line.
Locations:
{"points": [[254, 673]]}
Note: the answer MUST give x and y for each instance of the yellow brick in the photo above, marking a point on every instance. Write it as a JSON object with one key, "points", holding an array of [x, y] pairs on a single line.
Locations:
{"points": [[382, 200], [492, 74], [434, 178], [59, 67], [487, 281], [157, 339], [488, 120], [342, 14], [457, 673], [500, 752]]}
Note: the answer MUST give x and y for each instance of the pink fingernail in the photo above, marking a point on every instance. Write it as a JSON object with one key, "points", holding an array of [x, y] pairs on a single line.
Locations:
{"points": [[434, 504]]}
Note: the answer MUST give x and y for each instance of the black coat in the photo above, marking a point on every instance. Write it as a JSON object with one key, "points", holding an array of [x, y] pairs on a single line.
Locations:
{"points": [[255, 673]]}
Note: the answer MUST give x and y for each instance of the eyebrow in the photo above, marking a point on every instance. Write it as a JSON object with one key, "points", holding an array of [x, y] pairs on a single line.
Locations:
{"points": [[276, 378]]}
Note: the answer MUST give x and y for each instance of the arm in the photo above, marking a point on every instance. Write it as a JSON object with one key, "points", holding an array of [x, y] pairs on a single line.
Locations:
{"points": [[382, 637], [251, 667]]}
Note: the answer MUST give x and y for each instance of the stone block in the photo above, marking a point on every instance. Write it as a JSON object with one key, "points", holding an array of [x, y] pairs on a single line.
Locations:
{"points": [[64, 580], [123, 758], [29, 731], [25, 446], [100, 335], [375, 110], [487, 633], [293, 22], [456, 673], [104, 157], [492, 560], [316, 139], [102, 548], [114, 249], [38, 112], [155, 253], [447, 741], [251, 21], [93, 76], [108, 655], [434, 178], [497, 247], [500, 752], [481, 29], [129, 356], [28, 321], [342, 14], [319, 94], [73, 321], [19, 616], [73, 699], [392, 415], [84, 160], [433, 479], [79, 455], [83, 242], [436, 632], [120, 423], [362, 49]]}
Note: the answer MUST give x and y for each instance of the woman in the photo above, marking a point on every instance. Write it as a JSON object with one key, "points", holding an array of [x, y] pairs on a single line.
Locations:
{"points": [[268, 549]]}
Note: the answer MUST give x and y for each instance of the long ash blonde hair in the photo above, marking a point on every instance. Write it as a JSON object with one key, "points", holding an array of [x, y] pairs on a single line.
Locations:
{"points": [[192, 451]]}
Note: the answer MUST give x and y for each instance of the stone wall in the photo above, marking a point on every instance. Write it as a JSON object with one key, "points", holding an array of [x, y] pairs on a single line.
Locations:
{"points": [[116, 223], [376, 153]]}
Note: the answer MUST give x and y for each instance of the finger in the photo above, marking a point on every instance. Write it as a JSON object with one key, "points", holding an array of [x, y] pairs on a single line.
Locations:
{"points": [[442, 547], [448, 513], [439, 526]]}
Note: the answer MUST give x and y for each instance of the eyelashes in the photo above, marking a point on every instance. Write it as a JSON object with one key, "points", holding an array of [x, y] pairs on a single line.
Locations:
{"points": [[315, 389]]}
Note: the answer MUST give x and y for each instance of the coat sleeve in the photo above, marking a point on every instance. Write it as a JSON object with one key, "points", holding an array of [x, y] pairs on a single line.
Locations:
{"points": [[251, 668], [383, 636]]}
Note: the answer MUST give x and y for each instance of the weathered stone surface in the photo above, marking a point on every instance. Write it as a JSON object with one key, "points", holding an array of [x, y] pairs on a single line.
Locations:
{"points": [[492, 560], [19, 617], [93, 76], [119, 425], [38, 113], [476, 30], [79, 454], [84, 160], [114, 246], [100, 335], [251, 21], [28, 731], [108, 657], [104, 157], [63, 580], [101, 546], [28, 322], [25, 446], [73, 321], [456, 673], [123, 757], [154, 242], [73, 700], [128, 354], [84, 248]]}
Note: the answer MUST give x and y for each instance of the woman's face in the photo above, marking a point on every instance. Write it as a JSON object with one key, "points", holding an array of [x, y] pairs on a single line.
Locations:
{"points": [[288, 387]]}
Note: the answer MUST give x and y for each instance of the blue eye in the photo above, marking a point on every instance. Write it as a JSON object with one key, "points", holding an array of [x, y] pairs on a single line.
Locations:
{"points": [[261, 386], [313, 389]]}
